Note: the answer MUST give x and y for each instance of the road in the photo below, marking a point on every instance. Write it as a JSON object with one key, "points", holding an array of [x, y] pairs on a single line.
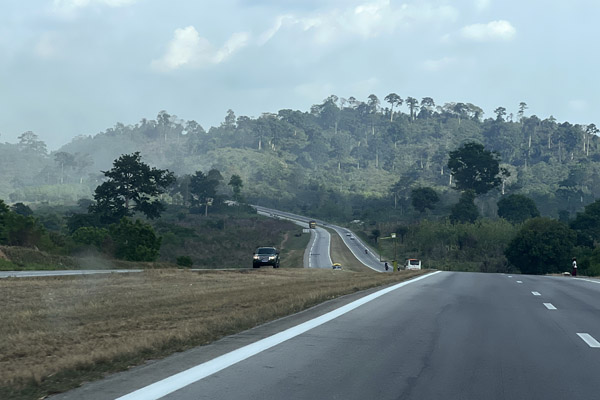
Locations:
{"points": [[30, 274], [318, 251], [447, 336], [356, 246]]}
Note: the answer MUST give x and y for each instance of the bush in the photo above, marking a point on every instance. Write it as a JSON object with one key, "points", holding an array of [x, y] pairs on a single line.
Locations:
{"points": [[184, 261], [542, 246], [135, 241]]}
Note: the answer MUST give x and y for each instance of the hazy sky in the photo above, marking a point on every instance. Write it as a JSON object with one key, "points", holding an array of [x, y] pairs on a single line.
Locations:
{"points": [[70, 67]]}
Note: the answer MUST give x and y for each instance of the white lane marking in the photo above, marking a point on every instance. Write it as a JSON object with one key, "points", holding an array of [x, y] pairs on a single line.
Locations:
{"points": [[510, 276], [536, 293], [589, 339], [519, 281], [310, 252], [194, 374], [588, 280], [549, 306]]}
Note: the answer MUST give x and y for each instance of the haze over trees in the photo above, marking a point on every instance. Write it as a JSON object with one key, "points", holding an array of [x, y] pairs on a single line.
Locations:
{"points": [[344, 159]]}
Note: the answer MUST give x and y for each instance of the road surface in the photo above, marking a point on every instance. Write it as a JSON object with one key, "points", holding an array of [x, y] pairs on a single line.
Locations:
{"points": [[29, 274], [356, 246], [448, 336]]}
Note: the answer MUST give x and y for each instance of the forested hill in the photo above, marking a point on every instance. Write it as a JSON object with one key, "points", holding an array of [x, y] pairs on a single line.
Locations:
{"points": [[333, 158]]}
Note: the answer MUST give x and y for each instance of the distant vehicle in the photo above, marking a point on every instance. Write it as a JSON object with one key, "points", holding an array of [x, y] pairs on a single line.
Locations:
{"points": [[348, 234], [265, 256], [312, 224], [412, 263], [352, 237], [336, 266]]}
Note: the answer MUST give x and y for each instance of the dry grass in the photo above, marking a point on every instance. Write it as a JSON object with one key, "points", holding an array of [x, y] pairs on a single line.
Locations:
{"points": [[60, 331]]}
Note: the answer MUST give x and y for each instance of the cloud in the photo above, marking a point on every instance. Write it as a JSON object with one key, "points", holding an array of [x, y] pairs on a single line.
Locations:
{"points": [[492, 31], [188, 48], [367, 20]]}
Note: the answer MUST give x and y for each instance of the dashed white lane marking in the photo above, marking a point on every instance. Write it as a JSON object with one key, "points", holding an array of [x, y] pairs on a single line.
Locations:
{"points": [[536, 293], [510, 276], [175, 382], [519, 281], [586, 337], [549, 306]]}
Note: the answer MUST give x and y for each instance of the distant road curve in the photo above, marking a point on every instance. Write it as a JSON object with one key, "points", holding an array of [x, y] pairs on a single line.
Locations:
{"points": [[354, 244]]}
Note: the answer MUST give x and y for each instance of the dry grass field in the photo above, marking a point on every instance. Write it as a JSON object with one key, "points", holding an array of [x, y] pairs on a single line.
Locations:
{"points": [[60, 331]]}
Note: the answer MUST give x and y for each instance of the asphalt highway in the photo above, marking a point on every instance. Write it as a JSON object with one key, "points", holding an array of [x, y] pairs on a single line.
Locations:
{"points": [[447, 336]]}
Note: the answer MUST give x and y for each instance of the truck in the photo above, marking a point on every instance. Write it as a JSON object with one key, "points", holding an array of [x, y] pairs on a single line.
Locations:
{"points": [[312, 224]]}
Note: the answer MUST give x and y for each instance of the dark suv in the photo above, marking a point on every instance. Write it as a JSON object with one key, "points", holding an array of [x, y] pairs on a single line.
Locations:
{"points": [[266, 256]]}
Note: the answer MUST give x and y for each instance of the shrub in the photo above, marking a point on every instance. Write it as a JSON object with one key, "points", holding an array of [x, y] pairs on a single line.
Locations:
{"points": [[184, 261]]}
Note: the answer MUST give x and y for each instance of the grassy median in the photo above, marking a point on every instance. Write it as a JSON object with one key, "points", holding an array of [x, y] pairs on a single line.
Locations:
{"points": [[60, 331]]}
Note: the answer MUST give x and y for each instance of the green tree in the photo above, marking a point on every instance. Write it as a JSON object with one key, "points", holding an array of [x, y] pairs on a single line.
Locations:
{"points": [[29, 142], [236, 184], [90, 236], [412, 104], [132, 186], [587, 225], [475, 168], [203, 188], [542, 246], [394, 100], [424, 198], [517, 208], [135, 241], [465, 211]]}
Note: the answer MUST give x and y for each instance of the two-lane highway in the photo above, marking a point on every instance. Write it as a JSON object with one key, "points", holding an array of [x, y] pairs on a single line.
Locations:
{"points": [[320, 258], [446, 336]]}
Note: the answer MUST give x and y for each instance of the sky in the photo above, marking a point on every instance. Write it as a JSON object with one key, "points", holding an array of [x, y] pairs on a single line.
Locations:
{"points": [[77, 67]]}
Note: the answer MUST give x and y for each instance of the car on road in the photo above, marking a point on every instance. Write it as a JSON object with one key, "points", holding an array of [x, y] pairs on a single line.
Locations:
{"points": [[265, 256], [336, 266], [412, 263]]}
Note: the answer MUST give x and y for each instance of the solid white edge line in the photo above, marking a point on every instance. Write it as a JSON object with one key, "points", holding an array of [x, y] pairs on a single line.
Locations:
{"points": [[549, 306], [587, 280], [194, 374], [519, 281], [536, 293], [586, 337]]}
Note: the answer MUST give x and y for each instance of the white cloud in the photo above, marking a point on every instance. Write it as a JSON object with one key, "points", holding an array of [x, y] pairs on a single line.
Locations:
{"points": [[188, 48], [492, 31], [367, 20]]}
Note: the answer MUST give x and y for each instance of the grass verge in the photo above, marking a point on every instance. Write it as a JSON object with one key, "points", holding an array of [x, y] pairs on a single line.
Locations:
{"points": [[61, 331]]}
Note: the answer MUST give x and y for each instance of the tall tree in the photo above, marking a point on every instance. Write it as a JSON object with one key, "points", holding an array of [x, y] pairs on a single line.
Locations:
{"points": [[236, 184], [475, 168], [394, 100], [522, 108], [132, 186], [412, 103], [29, 142], [500, 113], [465, 211]]}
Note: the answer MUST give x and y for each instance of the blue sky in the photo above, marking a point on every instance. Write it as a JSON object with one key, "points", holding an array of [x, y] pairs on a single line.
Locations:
{"points": [[71, 67]]}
